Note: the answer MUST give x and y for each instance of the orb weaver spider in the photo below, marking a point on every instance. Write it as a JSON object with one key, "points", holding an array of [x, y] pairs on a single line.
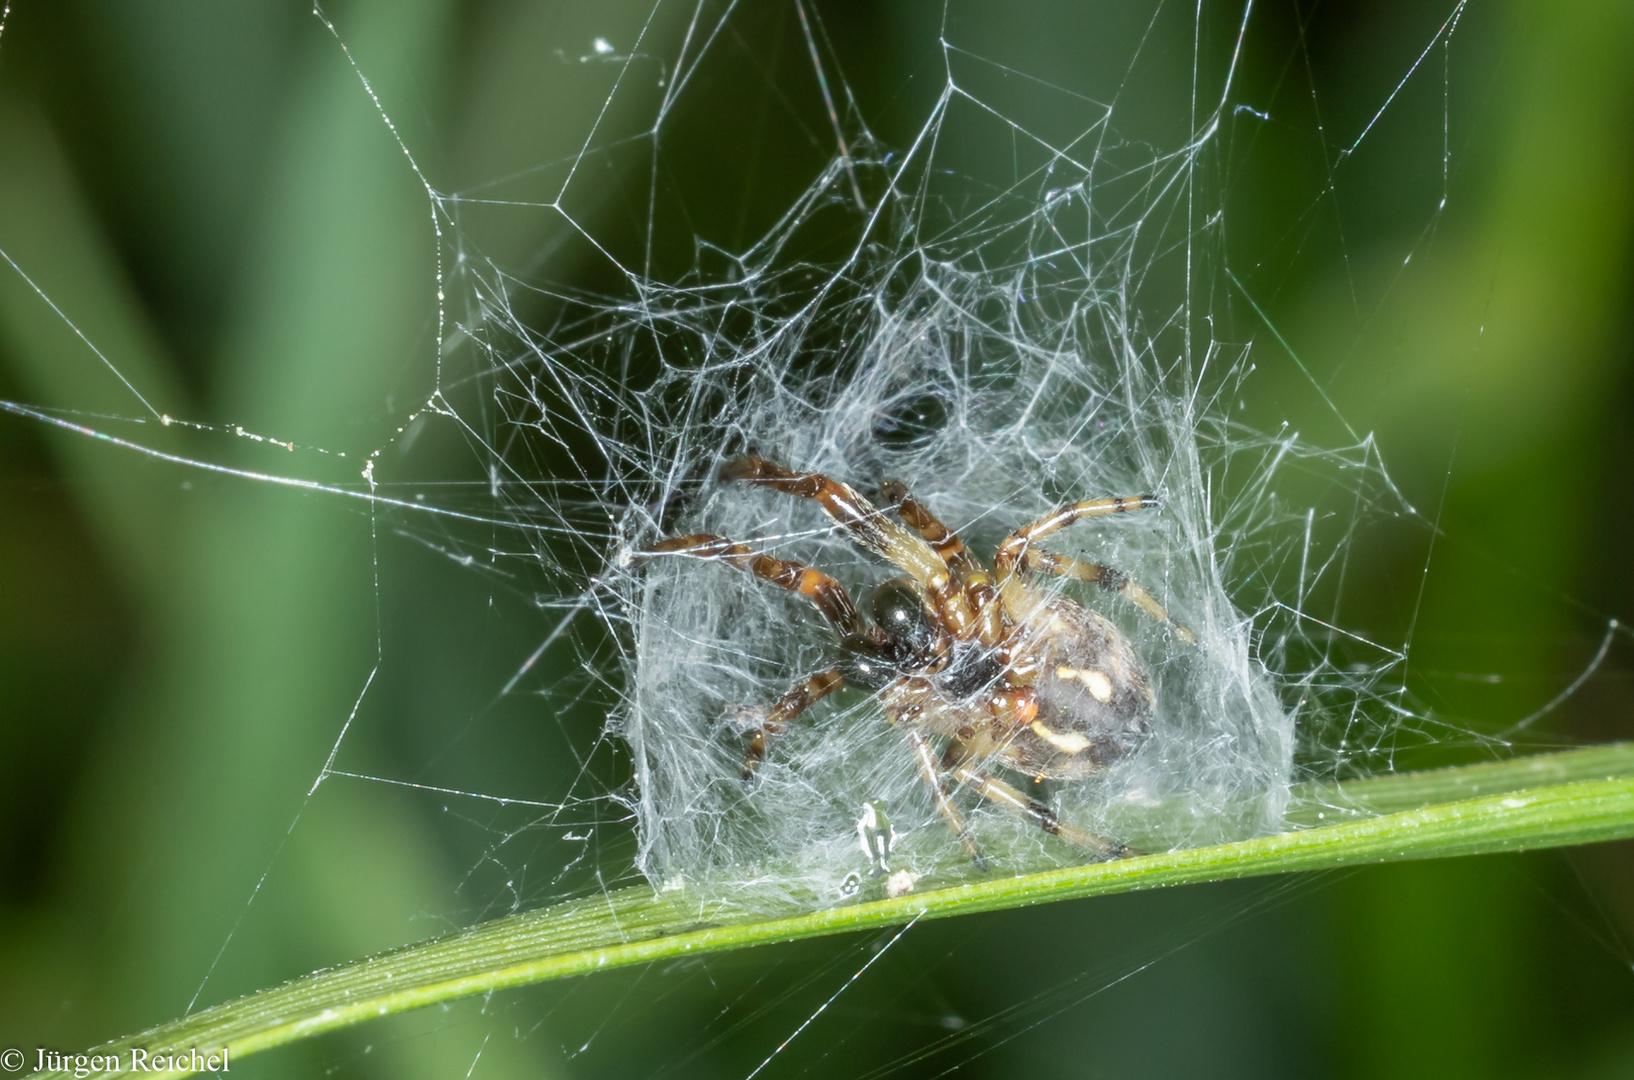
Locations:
{"points": [[1004, 671]]}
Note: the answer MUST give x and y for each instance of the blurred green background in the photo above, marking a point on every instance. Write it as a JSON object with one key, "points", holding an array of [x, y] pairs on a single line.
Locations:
{"points": [[207, 192]]}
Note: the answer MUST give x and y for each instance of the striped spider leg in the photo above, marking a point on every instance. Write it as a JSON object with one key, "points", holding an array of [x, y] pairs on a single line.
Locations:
{"points": [[831, 600], [1017, 549]]}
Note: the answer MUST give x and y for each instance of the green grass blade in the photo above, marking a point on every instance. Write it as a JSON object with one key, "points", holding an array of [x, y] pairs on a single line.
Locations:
{"points": [[1547, 801]]}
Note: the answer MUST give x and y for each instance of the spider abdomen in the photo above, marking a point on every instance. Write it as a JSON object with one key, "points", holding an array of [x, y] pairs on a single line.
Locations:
{"points": [[1093, 703]]}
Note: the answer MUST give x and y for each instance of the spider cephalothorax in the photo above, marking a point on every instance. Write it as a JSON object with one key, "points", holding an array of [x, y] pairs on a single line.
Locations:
{"points": [[1005, 672]]}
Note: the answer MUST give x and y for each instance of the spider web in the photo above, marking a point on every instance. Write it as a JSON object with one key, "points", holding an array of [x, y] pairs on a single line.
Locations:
{"points": [[1009, 288], [1002, 335]]}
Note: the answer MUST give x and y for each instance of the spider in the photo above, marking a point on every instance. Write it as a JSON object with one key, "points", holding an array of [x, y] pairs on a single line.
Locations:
{"points": [[1003, 671]]}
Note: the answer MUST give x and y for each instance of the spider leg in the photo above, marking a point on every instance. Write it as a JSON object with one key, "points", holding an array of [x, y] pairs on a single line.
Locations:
{"points": [[859, 517], [939, 536], [973, 609], [957, 763], [1016, 544], [1040, 561], [789, 706], [932, 775], [829, 595]]}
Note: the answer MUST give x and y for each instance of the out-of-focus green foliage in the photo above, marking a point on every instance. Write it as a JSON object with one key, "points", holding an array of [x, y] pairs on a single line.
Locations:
{"points": [[208, 193]]}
